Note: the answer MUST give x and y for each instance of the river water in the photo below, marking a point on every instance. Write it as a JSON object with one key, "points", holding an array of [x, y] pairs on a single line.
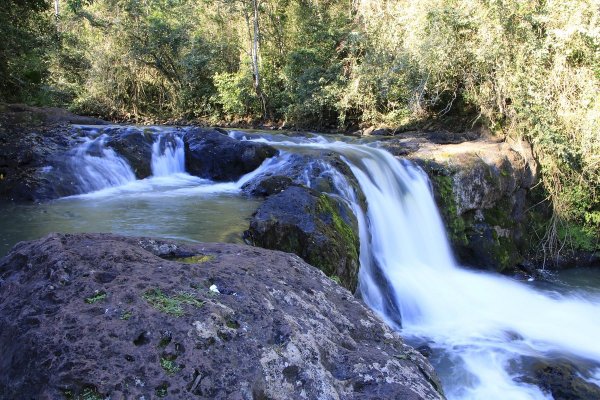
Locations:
{"points": [[484, 330]]}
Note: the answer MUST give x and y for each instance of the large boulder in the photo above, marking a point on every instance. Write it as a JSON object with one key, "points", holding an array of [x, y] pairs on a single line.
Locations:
{"points": [[483, 189], [319, 228], [321, 170], [30, 161], [97, 315], [135, 146], [563, 381], [211, 154]]}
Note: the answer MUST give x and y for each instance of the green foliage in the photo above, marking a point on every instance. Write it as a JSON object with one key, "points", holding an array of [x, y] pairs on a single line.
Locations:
{"points": [[96, 298], [28, 37], [235, 94], [527, 69], [171, 305], [170, 366]]}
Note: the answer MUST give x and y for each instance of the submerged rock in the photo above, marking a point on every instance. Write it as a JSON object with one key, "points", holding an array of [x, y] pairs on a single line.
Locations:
{"points": [[211, 154], [97, 315], [319, 228], [564, 382]]}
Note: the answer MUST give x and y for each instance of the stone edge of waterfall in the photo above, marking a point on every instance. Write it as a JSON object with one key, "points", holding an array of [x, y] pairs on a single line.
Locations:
{"points": [[126, 317]]}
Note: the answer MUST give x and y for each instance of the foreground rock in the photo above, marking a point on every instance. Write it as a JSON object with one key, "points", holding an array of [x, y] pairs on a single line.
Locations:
{"points": [[317, 227], [214, 155], [92, 316]]}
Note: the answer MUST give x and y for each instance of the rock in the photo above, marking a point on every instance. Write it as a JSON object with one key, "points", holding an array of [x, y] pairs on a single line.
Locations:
{"points": [[136, 147], [267, 185], [317, 227], [28, 116], [482, 189], [563, 381], [30, 160], [211, 154], [320, 170], [98, 315]]}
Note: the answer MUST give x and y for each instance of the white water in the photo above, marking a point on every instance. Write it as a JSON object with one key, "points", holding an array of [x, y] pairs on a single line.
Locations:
{"points": [[98, 167], [484, 321], [485, 325], [168, 155]]}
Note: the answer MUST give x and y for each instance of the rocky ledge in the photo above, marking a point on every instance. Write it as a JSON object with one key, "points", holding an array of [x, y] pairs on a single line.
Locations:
{"points": [[97, 315]]}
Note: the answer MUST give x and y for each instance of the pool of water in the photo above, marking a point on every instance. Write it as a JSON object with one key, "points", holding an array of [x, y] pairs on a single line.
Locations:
{"points": [[177, 207]]}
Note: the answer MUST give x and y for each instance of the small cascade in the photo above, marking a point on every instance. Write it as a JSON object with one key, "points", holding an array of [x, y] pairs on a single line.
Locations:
{"points": [[97, 167], [168, 155]]}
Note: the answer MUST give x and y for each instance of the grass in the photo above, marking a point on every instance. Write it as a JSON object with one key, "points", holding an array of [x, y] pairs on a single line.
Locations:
{"points": [[126, 315], [96, 298], [197, 259], [171, 305], [170, 367]]}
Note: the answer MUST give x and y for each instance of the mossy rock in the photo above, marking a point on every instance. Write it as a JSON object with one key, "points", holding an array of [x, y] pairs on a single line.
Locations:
{"points": [[317, 227]]}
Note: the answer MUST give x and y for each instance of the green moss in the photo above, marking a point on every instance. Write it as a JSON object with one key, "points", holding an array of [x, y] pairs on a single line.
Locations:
{"points": [[162, 390], [126, 315], [325, 205], [171, 305], [455, 224], [504, 252], [336, 279], [88, 393], [498, 216], [99, 296], [170, 366], [197, 259]]}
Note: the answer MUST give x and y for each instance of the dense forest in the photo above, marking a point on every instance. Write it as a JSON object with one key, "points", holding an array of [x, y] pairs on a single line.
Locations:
{"points": [[523, 69]]}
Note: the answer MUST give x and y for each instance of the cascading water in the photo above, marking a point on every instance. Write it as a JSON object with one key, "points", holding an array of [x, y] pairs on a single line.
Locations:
{"points": [[483, 327], [97, 167], [168, 155]]}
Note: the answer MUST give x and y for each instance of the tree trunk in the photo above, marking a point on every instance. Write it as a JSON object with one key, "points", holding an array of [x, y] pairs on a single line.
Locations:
{"points": [[255, 57]]}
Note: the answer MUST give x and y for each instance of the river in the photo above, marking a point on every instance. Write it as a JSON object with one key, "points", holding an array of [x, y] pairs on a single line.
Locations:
{"points": [[484, 330]]}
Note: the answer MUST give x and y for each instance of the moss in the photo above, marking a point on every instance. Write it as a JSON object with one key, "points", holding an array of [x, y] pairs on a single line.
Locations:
{"points": [[126, 315], [162, 390], [336, 279], [197, 259], [504, 252], [88, 393], [164, 341], [170, 366], [98, 296], [171, 305], [455, 224], [325, 205]]}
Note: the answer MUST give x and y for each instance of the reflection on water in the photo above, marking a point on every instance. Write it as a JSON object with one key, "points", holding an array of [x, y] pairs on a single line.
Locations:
{"points": [[205, 217]]}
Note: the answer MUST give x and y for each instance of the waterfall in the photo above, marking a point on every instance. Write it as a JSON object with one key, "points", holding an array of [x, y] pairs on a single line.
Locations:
{"points": [[482, 327], [486, 323], [97, 167], [168, 155]]}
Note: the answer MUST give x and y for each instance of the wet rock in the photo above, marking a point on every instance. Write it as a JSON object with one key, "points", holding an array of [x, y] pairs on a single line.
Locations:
{"points": [[482, 189], [319, 228], [267, 185], [564, 382], [321, 170], [30, 160], [136, 147], [211, 154], [132, 321]]}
